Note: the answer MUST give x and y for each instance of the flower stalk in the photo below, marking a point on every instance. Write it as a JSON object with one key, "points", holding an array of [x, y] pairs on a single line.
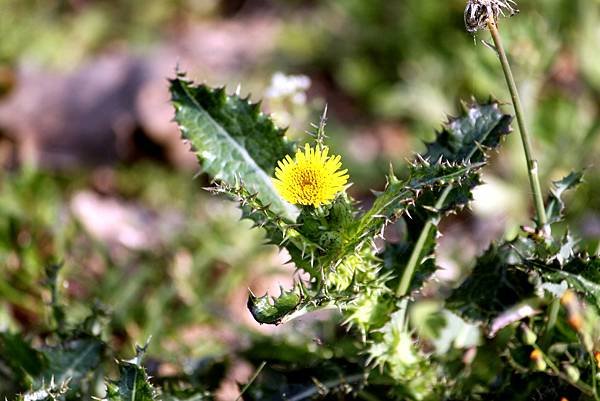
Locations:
{"points": [[532, 167], [409, 271]]}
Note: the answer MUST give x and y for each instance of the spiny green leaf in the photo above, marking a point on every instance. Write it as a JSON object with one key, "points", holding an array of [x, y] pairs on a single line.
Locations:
{"points": [[394, 350], [555, 205], [459, 197], [581, 273], [133, 383], [271, 310], [52, 391], [495, 284], [398, 195], [279, 232], [73, 359], [233, 140], [465, 138]]}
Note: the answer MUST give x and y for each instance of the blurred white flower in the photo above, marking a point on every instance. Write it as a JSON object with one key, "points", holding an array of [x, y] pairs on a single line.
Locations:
{"points": [[287, 99], [293, 87]]}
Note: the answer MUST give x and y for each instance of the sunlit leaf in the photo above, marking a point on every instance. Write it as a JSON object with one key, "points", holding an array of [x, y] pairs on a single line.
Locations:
{"points": [[234, 141]]}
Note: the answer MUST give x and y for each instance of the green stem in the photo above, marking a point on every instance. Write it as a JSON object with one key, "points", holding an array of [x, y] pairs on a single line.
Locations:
{"points": [[418, 249], [552, 317], [594, 385], [598, 249], [532, 168], [254, 376]]}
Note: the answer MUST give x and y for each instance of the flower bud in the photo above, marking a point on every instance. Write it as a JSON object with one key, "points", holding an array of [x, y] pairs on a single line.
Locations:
{"points": [[572, 372], [537, 358], [574, 311], [527, 335]]}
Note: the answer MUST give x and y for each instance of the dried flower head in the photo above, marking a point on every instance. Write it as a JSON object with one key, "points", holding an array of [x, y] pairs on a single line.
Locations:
{"points": [[478, 12], [312, 178]]}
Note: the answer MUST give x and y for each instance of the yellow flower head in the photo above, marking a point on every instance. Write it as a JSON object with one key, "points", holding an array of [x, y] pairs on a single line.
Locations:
{"points": [[312, 178]]}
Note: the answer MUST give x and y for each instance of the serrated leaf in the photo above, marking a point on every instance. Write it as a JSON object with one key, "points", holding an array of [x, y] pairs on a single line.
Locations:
{"points": [[278, 231], [494, 285], [232, 139], [133, 383], [398, 195], [464, 138], [72, 360], [47, 392], [463, 141], [271, 310], [460, 195], [467, 139], [555, 205], [580, 273]]}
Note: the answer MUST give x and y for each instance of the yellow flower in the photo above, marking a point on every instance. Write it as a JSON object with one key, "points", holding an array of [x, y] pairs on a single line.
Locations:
{"points": [[312, 178]]}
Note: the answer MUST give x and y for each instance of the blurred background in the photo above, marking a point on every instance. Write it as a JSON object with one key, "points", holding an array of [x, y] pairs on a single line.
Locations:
{"points": [[93, 173]]}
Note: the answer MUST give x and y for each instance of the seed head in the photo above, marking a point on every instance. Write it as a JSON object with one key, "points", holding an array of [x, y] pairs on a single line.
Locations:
{"points": [[478, 12]]}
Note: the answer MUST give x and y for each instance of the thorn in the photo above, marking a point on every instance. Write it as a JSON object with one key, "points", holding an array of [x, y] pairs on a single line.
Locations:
{"points": [[422, 160], [431, 209], [391, 176]]}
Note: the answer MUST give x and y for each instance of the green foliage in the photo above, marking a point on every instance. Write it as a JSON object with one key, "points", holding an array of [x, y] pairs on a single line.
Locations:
{"points": [[526, 316], [21, 363], [271, 310], [232, 138], [72, 363], [555, 205], [133, 384], [465, 138], [505, 282], [334, 245], [581, 273], [34, 30], [72, 360], [513, 282]]}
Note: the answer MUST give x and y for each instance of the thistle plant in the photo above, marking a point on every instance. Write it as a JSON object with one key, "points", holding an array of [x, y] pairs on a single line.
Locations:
{"points": [[526, 316], [331, 238], [418, 345]]}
